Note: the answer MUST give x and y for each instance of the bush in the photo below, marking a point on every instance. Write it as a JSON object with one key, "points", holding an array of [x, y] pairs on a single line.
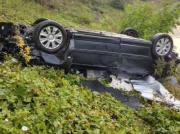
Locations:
{"points": [[149, 19], [163, 120], [46, 100], [41, 99]]}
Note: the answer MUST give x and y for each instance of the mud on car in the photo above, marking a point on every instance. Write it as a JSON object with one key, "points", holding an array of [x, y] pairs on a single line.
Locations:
{"points": [[68, 48]]}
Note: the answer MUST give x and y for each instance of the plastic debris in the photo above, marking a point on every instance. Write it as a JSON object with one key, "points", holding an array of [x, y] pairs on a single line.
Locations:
{"points": [[14, 60], [122, 83], [130, 101], [153, 90], [6, 120], [24, 128]]}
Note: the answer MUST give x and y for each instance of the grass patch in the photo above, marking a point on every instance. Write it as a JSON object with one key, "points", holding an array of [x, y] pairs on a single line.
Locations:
{"points": [[69, 13]]}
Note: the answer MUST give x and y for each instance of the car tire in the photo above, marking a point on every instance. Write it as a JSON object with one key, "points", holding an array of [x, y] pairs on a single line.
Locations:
{"points": [[50, 36], [130, 32], [162, 45], [39, 21]]}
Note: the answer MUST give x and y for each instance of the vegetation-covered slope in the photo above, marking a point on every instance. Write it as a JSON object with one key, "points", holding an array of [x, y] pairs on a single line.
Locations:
{"points": [[46, 100], [68, 13], [148, 18]]}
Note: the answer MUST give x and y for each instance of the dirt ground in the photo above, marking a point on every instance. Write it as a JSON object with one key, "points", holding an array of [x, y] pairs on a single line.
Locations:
{"points": [[176, 39]]}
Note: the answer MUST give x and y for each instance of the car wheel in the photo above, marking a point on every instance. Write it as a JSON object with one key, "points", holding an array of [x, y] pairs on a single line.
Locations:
{"points": [[39, 21], [50, 36], [162, 45], [130, 32]]}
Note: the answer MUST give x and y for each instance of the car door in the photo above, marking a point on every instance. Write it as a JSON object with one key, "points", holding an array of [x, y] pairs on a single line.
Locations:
{"points": [[135, 56], [95, 50]]}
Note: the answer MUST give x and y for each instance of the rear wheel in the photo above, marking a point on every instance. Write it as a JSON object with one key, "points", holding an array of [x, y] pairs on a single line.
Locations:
{"points": [[50, 36], [162, 45], [130, 32]]}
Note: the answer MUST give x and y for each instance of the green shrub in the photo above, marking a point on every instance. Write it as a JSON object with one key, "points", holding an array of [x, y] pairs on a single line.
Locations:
{"points": [[162, 68], [159, 67], [163, 120], [149, 18], [47, 101]]}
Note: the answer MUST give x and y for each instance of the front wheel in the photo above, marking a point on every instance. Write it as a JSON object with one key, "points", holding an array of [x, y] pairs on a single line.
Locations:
{"points": [[162, 45], [50, 36]]}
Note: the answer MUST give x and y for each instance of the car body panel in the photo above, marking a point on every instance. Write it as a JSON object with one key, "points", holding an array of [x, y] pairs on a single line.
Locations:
{"points": [[110, 51], [136, 56], [87, 49]]}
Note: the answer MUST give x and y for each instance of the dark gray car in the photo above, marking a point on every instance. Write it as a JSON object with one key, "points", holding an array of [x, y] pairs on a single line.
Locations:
{"points": [[67, 48]]}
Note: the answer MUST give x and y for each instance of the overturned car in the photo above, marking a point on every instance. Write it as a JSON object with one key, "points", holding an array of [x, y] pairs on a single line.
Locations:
{"points": [[69, 48]]}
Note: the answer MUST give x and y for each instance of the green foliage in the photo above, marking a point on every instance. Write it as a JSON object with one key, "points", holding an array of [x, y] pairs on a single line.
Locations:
{"points": [[159, 67], [175, 90], [119, 4], [94, 2], [86, 18], [177, 74], [48, 101], [162, 68], [149, 18], [163, 120], [67, 12]]}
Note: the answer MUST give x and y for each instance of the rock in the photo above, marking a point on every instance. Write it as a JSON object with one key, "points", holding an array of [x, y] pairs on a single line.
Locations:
{"points": [[173, 81]]}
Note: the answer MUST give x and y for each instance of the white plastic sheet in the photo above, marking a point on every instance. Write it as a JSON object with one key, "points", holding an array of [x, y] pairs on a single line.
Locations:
{"points": [[149, 88], [154, 90], [121, 83]]}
